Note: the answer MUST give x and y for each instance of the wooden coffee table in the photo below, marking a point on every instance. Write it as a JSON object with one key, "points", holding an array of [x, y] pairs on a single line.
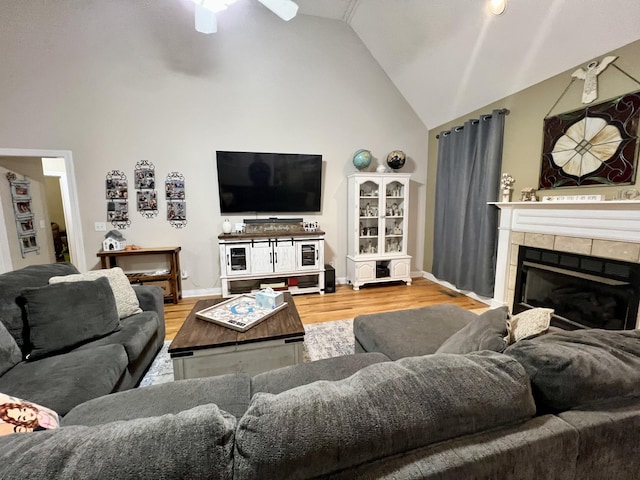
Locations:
{"points": [[203, 349]]}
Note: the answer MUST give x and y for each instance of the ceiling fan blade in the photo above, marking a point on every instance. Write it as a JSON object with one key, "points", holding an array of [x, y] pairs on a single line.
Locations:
{"points": [[285, 9], [206, 21]]}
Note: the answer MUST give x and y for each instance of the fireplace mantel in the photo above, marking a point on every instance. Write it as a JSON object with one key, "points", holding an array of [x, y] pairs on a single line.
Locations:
{"points": [[556, 225]]}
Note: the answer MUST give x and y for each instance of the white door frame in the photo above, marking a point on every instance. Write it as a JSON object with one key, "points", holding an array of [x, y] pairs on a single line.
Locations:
{"points": [[69, 192]]}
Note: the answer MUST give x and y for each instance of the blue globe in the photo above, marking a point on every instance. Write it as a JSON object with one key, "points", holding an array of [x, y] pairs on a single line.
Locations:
{"points": [[362, 159]]}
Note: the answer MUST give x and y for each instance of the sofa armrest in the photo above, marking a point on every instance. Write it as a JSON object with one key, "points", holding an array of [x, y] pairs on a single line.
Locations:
{"points": [[151, 298]]}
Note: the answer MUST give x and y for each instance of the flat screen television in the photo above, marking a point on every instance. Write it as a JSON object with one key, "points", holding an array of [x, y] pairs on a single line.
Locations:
{"points": [[269, 182]]}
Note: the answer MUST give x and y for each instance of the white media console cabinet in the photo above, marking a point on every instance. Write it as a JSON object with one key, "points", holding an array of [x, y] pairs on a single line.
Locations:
{"points": [[291, 261]]}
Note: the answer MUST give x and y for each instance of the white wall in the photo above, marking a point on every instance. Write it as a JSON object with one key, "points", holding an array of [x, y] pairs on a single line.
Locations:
{"points": [[118, 82]]}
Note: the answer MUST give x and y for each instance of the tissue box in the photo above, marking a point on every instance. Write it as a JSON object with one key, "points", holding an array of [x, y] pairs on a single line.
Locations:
{"points": [[267, 298]]}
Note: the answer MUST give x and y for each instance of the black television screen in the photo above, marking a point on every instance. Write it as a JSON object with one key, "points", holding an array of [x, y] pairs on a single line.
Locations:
{"points": [[269, 182]]}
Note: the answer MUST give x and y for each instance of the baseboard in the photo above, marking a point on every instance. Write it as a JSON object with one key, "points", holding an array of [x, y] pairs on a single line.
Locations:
{"points": [[345, 281], [201, 292], [487, 300]]}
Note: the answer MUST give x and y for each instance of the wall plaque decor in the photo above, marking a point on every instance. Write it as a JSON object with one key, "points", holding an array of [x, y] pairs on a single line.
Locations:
{"points": [[24, 215], [117, 194], [595, 145], [147, 197], [176, 204]]}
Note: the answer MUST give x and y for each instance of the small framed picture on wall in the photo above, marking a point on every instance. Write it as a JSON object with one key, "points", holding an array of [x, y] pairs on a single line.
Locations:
{"points": [[22, 208], [147, 200], [118, 211], [176, 210], [20, 190], [25, 226], [116, 188], [174, 189]]}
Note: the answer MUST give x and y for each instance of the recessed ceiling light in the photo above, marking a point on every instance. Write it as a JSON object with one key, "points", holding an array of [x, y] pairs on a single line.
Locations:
{"points": [[497, 7]]}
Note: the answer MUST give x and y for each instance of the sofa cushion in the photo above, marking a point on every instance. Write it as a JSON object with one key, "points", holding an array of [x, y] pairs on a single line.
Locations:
{"points": [[542, 448], [384, 409], [529, 323], [10, 353], [193, 444], [573, 368], [230, 392], [410, 332], [608, 438], [61, 316], [335, 368], [134, 333], [11, 286], [19, 416], [486, 332], [126, 299], [63, 381]]}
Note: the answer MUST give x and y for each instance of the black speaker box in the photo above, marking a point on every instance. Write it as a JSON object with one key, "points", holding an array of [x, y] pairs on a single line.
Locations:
{"points": [[329, 279]]}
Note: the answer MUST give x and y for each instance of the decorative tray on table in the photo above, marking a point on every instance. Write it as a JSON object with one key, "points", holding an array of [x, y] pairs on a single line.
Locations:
{"points": [[239, 313]]}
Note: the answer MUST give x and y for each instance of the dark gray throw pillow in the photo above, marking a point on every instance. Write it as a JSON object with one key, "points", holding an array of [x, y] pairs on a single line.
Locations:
{"points": [[63, 315], [487, 332], [10, 353], [575, 368]]}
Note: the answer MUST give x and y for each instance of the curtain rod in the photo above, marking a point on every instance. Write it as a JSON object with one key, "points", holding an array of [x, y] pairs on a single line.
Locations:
{"points": [[502, 111]]}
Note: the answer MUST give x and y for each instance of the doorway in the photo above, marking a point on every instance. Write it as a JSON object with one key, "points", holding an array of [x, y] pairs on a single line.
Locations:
{"points": [[64, 170]]}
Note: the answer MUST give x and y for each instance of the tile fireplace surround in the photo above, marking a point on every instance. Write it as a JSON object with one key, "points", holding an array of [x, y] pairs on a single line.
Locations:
{"points": [[608, 229]]}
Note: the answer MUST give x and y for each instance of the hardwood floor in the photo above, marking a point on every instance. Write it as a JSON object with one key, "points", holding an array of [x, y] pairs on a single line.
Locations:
{"points": [[347, 303]]}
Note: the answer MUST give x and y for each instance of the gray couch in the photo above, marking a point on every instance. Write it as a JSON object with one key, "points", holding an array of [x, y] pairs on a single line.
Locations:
{"points": [[560, 406], [76, 360]]}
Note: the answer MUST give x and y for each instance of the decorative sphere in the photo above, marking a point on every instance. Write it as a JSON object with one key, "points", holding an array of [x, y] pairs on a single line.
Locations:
{"points": [[362, 159], [396, 159]]}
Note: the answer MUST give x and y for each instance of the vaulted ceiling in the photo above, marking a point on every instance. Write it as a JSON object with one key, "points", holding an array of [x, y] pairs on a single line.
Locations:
{"points": [[451, 57]]}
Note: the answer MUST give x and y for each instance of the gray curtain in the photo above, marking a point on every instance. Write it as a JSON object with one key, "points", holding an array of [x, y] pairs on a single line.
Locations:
{"points": [[466, 228]]}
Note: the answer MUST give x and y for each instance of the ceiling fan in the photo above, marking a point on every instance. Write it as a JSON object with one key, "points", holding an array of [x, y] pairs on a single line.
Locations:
{"points": [[206, 11]]}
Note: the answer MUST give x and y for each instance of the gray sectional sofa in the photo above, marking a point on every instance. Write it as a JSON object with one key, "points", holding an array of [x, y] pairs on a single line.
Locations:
{"points": [[560, 406], [69, 354]]}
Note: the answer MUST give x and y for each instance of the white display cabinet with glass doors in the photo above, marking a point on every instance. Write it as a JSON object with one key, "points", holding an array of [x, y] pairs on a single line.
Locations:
{"points": [[378, 204]]}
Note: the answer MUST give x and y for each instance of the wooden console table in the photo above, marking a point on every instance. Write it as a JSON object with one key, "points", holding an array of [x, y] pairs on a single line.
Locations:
{"points": [[172, 279]]}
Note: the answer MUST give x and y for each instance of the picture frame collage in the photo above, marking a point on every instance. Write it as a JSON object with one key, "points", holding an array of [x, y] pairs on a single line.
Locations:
{"points": [[24, 215], [145, 185], [146, 196], [117, 194], [176, 204]]}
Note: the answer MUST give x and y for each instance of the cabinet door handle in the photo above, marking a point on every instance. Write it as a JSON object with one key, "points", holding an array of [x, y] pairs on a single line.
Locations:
{"points": [[317, 255], [275, 257], [228, 260], [271, 258]]}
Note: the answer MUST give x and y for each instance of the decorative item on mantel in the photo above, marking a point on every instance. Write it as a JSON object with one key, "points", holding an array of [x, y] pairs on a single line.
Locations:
{"points": [[631, 194], [396, 159], [226, 226], [506, 183], [528, 195], [593, 145], [362, 159], [573, 198]]}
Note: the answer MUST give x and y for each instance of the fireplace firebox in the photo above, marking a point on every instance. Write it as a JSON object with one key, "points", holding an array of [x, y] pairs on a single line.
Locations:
{"points": [[584, 291]]}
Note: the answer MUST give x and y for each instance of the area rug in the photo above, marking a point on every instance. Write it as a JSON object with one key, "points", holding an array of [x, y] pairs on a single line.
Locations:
{"points": [[321, 340]]}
